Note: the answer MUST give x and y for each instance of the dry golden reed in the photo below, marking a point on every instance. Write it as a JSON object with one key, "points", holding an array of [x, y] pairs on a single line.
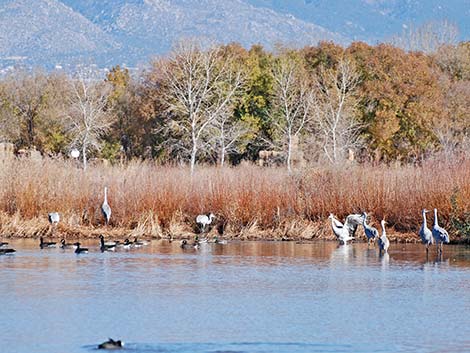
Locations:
{"points": [[250, 201]]}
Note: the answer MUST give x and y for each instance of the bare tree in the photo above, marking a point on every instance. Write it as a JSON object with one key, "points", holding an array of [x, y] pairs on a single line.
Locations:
{"points": [[229, 135], [428, 37], [88, 116], [293, 98], [335, 108], [200, 85]]}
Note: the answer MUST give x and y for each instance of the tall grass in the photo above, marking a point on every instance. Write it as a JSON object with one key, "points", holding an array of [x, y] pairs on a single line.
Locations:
{"points": [[251, 201]]}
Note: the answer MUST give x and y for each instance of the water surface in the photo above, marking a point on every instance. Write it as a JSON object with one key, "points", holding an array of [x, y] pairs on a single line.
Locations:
{"points": [[242, 297]]}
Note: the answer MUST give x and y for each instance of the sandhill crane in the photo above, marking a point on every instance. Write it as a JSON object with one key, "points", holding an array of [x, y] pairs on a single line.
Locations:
{"points": [[371, 232], [383, 241], [425, 233], [345, 232], [440, 234], [54, 218], [105, 209], [204, 220]]}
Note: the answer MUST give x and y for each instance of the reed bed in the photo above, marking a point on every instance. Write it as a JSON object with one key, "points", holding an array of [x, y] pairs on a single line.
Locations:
{"points": [[249, 201]]}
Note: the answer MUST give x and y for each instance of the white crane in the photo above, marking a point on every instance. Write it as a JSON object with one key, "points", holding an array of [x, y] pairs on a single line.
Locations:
{"points": [[345, 232], [371, 232], [54, 218], [440, 234], [105, 209], [425, 233], [204, 220], [383, 241]]}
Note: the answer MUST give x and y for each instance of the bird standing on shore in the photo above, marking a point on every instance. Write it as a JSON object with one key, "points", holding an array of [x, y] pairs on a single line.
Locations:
{"points": [[425, 233], [105, 208], [383, 241], [345, 232], [54, 219], [204, 220], [440, 234], [371, 232]]}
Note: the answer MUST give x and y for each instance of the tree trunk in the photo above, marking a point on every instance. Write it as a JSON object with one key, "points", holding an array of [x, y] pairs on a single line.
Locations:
{"points": [[84, 156], [289, 152]]}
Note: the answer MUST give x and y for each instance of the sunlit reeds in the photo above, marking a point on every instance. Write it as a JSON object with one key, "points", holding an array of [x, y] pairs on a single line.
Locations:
{"points": [[250, 201]]}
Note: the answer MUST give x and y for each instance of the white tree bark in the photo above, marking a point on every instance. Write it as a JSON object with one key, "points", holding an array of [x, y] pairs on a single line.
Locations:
{"points": [[201, 85], [334, 109], [88, 114], [292, 103]]}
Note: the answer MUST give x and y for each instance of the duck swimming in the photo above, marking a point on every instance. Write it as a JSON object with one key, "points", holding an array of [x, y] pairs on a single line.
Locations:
{"points": [[46, 244], [64, 245], [111, 344], [106, 247], [79, 250], [7, 251]]}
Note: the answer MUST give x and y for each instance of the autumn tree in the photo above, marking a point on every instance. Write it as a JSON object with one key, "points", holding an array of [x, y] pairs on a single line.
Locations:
{"points": [[199, 86], [293, 98], [337, 125], [400, 100]]}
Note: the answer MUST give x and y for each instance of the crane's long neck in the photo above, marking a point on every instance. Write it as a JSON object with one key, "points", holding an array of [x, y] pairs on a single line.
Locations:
{"points": [[106, 195], [383, 228], [435, 217], [424, 220], [333, 224]]}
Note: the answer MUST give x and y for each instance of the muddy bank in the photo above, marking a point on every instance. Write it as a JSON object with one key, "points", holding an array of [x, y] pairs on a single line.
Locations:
{"points": [[294, 230]]}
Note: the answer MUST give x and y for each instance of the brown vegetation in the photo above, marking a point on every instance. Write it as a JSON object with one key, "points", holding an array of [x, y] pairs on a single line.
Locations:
{"points": [[252, 202]]}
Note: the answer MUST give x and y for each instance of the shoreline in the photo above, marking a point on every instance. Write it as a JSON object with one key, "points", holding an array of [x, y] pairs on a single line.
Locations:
{"points": [[298, 231]]}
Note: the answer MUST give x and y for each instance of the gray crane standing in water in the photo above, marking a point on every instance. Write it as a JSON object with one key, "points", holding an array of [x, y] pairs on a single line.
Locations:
{"points": [[440, 234], [383, 241], [105, 209], [345, 232], [371, 232], [425, 233]]}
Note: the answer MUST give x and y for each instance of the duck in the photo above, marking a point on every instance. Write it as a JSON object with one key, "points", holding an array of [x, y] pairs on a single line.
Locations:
{"points": [[219, 241], [64, 245], [184, 244], [139, 243], [127, 244], [3, 243], [79, 250], [7, 251], [111, 344], [46, 244], [106, 247]]}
